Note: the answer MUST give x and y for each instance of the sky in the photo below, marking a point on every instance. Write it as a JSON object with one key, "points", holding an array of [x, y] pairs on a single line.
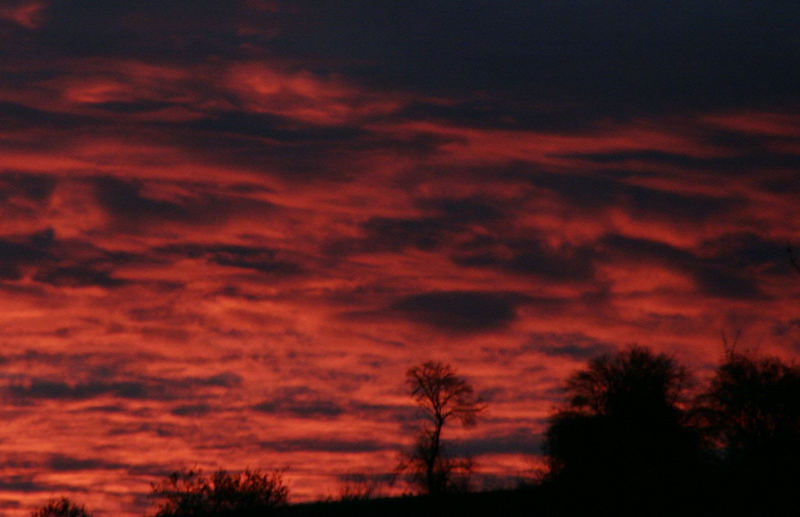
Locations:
{"points": [[228, 228]]}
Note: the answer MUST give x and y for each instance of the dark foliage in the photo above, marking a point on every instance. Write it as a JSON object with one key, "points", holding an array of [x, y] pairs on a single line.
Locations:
{"points": [[61, 507], [751, 413], [622, 437], [221, 494]]}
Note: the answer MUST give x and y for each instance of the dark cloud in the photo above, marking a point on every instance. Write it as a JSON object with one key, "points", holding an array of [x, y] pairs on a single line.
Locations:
{"points": [[724, 282], [125, 201], [78, 276], [384, 412], [84, 28], [739, 159], [132, 107], [10, 504], [574, 345], [564, 263], [35, 388], [688, 54], [462, 211], [59, 263], [445, 219], [390, 234], [711, 276], [300, 403], [17, 116], [191, 410], [607, 189], [493, 113], [19, 253], [44, 389], [224, 380], [157, 429], [37, 187], [520, 441], [134, 204], [749, 252], [64, 463], [459, 311], [694, 54], [321, 444], [256, 258], [277, 128], [28, 483]]}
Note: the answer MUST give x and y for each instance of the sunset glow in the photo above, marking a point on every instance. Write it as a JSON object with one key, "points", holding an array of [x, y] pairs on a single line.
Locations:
{"points": [[228, 228]]}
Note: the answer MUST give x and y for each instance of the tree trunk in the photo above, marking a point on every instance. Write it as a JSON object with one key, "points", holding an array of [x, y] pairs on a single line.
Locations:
{"points": [[434, 484]]}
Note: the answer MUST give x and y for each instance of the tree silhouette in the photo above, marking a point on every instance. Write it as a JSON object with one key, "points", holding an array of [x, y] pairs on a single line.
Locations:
{"points": [[61, 507], [751, 411], [622, 433], [189, 493], [442, 396]]}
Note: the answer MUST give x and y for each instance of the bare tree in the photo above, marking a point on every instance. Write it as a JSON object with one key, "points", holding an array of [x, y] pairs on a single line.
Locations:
{"points": [[442, 396]]}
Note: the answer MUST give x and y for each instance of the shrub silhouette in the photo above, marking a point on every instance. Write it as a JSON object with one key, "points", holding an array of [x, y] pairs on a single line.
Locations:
{"points": [[61, 507], [442, 396], [361, 486], [189, 493], [622, 437]]}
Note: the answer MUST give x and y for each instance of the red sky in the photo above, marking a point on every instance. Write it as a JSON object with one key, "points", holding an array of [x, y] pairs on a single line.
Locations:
{"points": [[228, 228]]}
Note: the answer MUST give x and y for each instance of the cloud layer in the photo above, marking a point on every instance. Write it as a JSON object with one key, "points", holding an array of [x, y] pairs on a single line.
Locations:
{"points": [[226, 229]]}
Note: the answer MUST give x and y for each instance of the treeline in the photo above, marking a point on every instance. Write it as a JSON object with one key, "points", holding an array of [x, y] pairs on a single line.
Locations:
{"points": [[634, 435]]}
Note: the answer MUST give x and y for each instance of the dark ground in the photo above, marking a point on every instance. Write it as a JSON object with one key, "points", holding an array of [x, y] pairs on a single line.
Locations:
{"points": [[545, 502]]}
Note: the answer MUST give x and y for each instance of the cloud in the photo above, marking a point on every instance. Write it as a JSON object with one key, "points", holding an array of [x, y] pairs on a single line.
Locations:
{"points": [[393, 234], [749, 252], [587, 192], [321, 444], [711, 277], [245, 212], [44, 389], [256, 258], [64, 463], [464, 210], [22, 483], [300, 403], [126, 202], [17, 185], [33, 389], [565, 262], [49, 260], [459, 311], [26, 14], [519, 441], [446, 220], [78, 276], [18, 253], [583, 51], [191, 410], [574, 345]]}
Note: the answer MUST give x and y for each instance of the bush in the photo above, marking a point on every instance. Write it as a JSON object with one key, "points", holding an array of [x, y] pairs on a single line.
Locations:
{"points": [[190, 493], [61, 507]]}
